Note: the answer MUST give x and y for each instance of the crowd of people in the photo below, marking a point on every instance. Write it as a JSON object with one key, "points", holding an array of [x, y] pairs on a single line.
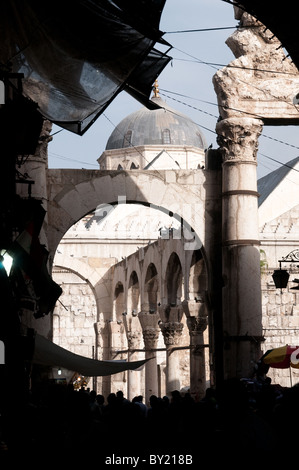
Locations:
{"points": [[249, 416]]}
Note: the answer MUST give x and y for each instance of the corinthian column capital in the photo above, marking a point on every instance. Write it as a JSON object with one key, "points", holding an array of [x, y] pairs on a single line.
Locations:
{"points": [[197, 325], [133, 339], [238, 138], [151, 336], [172, 332]]}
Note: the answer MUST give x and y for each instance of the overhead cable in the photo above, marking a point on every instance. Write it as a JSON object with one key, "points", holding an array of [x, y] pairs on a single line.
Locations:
{"points": [[62, 157], [280, 163], [242, 67], [200, 30], [221, 106], [219, 28]]}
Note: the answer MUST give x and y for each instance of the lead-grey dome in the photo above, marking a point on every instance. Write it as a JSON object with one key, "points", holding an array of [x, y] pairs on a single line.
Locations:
{"points": [[164, 126]]}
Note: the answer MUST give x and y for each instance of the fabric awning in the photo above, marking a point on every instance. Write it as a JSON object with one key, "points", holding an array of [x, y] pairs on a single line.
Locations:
{"points": [[50, 354], [77, 56]]}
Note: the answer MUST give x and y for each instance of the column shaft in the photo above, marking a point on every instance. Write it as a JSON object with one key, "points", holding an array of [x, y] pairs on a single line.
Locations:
{"points": [[151, 336], [133, 376], [150, 330], [242, 315], [196, 326], [172, 332]]}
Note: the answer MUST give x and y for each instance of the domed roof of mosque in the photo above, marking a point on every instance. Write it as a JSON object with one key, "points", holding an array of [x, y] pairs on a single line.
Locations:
{"points": [[163, 126]]}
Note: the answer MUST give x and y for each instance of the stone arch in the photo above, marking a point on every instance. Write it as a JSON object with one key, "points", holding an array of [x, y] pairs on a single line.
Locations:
{"points": [[182, 194], [119, 304], [197, 284], [86, 273], [77, 266], [133, 295], [151, 288], [173, 280], [76, 314], [76, 193]]}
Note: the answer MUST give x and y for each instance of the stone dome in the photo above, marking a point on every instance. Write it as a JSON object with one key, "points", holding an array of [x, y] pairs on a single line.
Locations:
{"points": [[164, 126]]}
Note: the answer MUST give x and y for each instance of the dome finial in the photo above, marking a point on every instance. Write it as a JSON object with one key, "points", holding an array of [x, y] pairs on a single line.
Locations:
{"points": [[156, 90]]}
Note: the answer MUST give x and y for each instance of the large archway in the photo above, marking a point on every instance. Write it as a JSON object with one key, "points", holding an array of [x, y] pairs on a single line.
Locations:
{"points": [[182, 194]]}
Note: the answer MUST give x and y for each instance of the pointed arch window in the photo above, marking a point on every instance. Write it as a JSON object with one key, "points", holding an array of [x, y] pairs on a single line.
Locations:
{"points": [[133, 166], [120, 167], [166, 136]]}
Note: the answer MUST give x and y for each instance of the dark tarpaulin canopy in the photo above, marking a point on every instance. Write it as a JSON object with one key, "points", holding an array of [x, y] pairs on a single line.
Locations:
{"points": [[77, 56], [50, 354]]}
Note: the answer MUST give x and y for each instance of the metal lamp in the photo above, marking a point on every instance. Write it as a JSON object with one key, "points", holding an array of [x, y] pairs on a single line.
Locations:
{"points": [[280, 278]]}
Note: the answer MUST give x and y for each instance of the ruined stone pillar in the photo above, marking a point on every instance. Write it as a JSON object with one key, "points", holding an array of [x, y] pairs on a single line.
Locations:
{"points": [[197, 322], [150, 331], [172, 332], [242, 314]]}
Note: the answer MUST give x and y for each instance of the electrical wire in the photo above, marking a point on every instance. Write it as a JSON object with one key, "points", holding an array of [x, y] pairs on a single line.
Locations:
{"points": [[217, 28], [62, 157], [200, 125], [57, 132], [219, 135], [201, 30], [225, 107], [215, 104], [196, 59], [214, 66], [281, 141], [232, 66], [280, 163]]}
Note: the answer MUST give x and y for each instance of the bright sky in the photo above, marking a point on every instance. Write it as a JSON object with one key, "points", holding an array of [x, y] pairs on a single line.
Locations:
{"points": [[188, 74]]}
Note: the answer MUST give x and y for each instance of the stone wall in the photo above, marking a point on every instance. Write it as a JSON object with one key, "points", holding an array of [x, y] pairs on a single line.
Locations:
{"points": [[280, 321]]}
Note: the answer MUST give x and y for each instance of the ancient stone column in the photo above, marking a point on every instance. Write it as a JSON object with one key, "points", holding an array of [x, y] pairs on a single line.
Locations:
{"points": [[99, 327], [242, 314], [197, 326], [172, 332], [115, 330], [150, 331], [197, 322], [133, 376]]}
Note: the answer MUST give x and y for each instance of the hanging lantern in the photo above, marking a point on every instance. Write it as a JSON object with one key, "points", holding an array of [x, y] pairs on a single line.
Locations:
{"points": [[280, 278]]}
